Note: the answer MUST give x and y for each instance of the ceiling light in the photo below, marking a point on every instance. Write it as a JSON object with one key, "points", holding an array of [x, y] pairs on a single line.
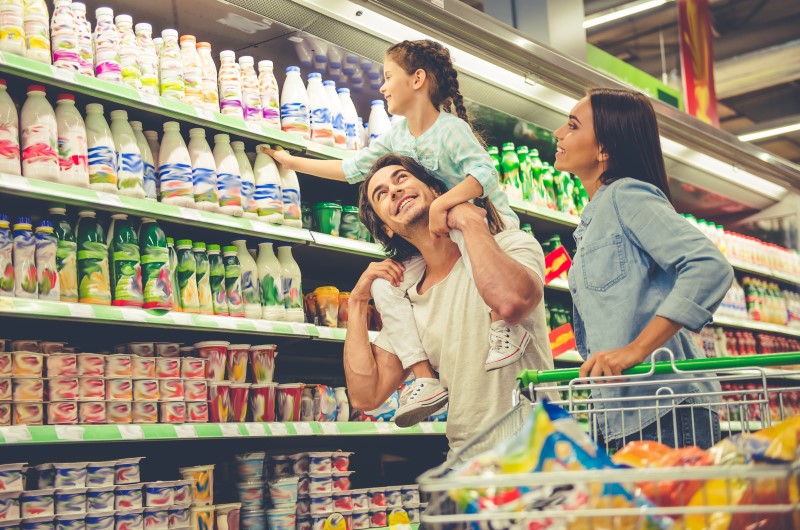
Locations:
{"points": [[767, 133], [622, 12]]}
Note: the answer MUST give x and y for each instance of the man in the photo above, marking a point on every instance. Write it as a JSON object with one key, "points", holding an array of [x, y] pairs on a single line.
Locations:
{"points": [[450, 308]]}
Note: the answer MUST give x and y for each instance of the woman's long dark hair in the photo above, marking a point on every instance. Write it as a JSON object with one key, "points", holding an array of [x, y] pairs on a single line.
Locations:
{"points": [[626, 128]]}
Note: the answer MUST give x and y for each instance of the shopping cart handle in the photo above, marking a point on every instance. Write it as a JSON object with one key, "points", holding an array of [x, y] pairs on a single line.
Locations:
{"points": [[536, 377]]}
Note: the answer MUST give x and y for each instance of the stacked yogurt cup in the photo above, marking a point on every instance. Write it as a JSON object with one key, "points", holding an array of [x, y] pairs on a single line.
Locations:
{"points": [[265, 501]]}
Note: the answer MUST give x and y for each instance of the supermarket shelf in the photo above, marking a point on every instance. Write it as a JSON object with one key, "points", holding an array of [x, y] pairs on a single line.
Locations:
{"points": [[545, 214], [338, 334], [755, 325], [372, 250], [52, 191], [764, 271], [49, 434]]}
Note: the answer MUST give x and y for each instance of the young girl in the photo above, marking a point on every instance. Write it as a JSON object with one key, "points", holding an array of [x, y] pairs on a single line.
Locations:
{"points": [[642, 278], [421, 84]]}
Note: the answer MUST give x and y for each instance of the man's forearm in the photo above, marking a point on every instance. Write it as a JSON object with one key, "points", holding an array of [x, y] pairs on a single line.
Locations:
{"points": [[360, 367]]}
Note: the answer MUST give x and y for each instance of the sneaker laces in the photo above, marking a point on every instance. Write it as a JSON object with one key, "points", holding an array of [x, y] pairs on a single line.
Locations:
{"points": [[498, 338], [406, 393]]}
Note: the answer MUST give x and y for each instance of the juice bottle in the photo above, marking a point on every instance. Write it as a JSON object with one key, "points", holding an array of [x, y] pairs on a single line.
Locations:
{"points": [[148, 165], [93, 274], [46, 267], [251, 292], [216, 274], [230, 85], [494, 154], [63, 30], [173, 268], [251, 96], [130, 168], [233, 282], [73, 153], [147, 58], [270, 97], [249, 204], [205, 302], [204, 172], [175, 170], [6, 257], [9, 133], [269, 278], [12, 27], [229, 181], [102, 156], [36, 20], [39, 137], [25, 278], [106, 46], [129, 53], [171, 67], [209, 86], [192, 71], [269, 196], [125, 263], [83, 30], [66, 255], [292, 285], [511, 172], [294, 104], [156, 274], [319, 111], [187, 277]]}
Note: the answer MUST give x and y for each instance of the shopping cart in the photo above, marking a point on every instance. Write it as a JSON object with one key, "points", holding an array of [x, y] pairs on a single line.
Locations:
{"points": [[746, 495]]}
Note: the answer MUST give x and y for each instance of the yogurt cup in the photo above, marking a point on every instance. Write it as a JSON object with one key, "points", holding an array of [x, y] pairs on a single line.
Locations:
{"points": [[5, 364], [413, 512], [253, 519], [280, 466], [70, 475], [251, 494], [62, 365], [202, 478], [236, 362], [129, 520], [340, 461], [156, 518], [250, 465], [100, 499], [182, 491], [159, 494], [6, 393], [239, 393], [62, 413], [49, 348], [228, 516], [10, 524], [303, 485], [281, 519], [91, 365], [9, 505], [197, 411], [172, 411], [262, 362], [100, 521], [171, 389], [410, 494], [70, 501], [38, 523], [28, 413], [168, 368], [37, 503], [146, 390], [118, 412], [342, 501], [318, 521], [300, 462], [193, 368], [127, 470], [320, 503], [128, 497], [283, 491], [143, 367], [71, 522], [288, 398], [202, 517], [100, 473], [142, 349], [321, 483], [91, 388], [63, 389], [180, 516], [215, 353], [341, 481], [303, 507], [328, 217], [119, 390], [377, 498], [377, 517], [262, 401], [5, 414], [26, 364], [27, 390], [167, 349], [219, 401], [359, 499], [320, 463], [361, 519], [118, 366], [144, 412], [394, 499], [195, 390], [25, 345]]}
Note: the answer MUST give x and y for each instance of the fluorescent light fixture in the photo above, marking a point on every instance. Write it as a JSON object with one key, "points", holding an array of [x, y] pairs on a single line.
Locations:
{"points": [[775, 131], [622, 12]]}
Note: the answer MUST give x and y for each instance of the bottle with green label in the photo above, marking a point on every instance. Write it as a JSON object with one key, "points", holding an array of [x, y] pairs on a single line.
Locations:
{"points": [[233, 281], [511, 174], [251, 292], [581, 197], [292, 285], [216, 277], [46, 270], [124, 263], [494, 154], [66, 255], [25, 278], [6, 257], [525, 172], [156, 273], [173, 267], [269, 277], [205, 304], [568, 203], [549, 186], [537, 176], [187, 277], [94, 286], [527, 229]]}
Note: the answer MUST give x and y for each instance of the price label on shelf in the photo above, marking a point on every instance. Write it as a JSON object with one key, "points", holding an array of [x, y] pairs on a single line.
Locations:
{"points": [[205, 114], [20, 183], [329, 427], [325, 332], [256, 128], [185, 431], [16, 434], [108, 198], [263, 326], [229, 429], [299, 329], [255, 429], [131, 432], [191, 213], [151, 99], [184, 319], [69, 432], [132, 315], [383, 427], [278, 429], [81, 310], [63, 74], [303, 428]]}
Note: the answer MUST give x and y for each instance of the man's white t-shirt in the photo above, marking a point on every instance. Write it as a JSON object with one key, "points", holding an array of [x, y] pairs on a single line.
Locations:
{"points": [[453, 322]]}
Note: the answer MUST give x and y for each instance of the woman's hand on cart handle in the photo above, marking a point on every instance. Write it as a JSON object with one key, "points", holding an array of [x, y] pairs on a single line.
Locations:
{"points": [[612, 362]]}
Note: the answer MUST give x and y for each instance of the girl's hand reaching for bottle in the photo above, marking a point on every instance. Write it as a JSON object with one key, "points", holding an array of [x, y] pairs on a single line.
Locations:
{"points": [[282, 157]]}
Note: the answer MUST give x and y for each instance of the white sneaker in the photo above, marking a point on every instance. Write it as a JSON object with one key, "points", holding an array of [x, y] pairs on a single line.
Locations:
{"points": [[420, 399], [506, 344]]}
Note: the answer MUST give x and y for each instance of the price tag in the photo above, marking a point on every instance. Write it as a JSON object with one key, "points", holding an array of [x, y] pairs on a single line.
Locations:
{"points": [[227, 322], [131, 432], [329, 428], [262, 325], [133, 315], [16, 434], [325, 332], [20, 183], [205, 114], [185, 431], [383, 427], [303, 428], [255, 127], [184, 319], [191, 213], [69, 432], [81, 310], [152, 99], [278, 429], [255, 429], [428, 427], [229, 429], [108, 198], [299, 329], [63, 74]]}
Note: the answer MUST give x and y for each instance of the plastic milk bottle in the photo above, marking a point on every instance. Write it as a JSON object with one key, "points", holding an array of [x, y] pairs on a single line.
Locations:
{"points": [[292, 285], [229, 181], [66, 255], [290, 193], [147, 58], [175, 170], [106, 46], [73, 154], [205, 303], [319, 110], [171, 67], [130, 168], [102, 151], [39, 137], [269, 196], [230, 85], [149, 168], [337, 115], [294, 104], [209, 86], [156, 273], [251, 97], [129, 52], [251, 293], [12, 27], [26, 280], [124, 263], [216, 273], [269, 278], [64, 33], [9, 134], [249, 204], [36, 20], [6, 257], [379, 121], [83, 29], [204, 172], [270, 97], [351, 130], [93, 274], [192, 71]]}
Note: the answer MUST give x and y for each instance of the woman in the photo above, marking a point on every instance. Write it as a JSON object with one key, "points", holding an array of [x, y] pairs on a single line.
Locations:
{"points": [[642, 277]]}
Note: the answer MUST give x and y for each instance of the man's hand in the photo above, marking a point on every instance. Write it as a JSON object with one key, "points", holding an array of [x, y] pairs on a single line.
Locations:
{"points": [[437, 218], [612, 362], [388, 269], [282, 157], [459, 216]]}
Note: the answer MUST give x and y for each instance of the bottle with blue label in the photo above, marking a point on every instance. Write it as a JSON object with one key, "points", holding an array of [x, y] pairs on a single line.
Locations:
{"points": [[46, 267], [269, 196], [351, 130], [6, 257], [249, 204], [251, 292], [204, 172], [175, 170], [130, 168], [292, 285], [379, 122], [150, 180], [319, 110], [26, 280], [229, 181], [337, 115], [294, 104], [290, 193], [102, 151]]}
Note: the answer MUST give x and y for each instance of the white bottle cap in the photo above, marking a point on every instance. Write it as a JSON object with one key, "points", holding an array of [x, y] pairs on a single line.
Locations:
{"points": [[314, 75], [94, 107], [62, 3], [264, 65], [151, 135], [169, 34], [227, 54], [237, 146], [376, 103], [328, 82], [136, 125], [104, 12], [200, 133], [222, 138], [142, 26], [246, 59], [79, 7], [119, 114], [172, 126], [123, 19], [342, 90]]}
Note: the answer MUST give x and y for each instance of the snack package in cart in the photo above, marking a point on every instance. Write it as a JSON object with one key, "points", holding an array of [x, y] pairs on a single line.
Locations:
{"points": [[549, 441]]}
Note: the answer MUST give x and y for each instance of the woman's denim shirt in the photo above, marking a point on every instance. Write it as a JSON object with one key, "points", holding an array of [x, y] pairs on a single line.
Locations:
{"points": [[636, 259]]}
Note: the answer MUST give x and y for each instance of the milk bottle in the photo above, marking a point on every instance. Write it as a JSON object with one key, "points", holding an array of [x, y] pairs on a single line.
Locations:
{"points": [[106, 46], [6, 257], [155, 147], [249, 204], [270, 98], [149, 168], [192, 71], [251, 97], [364, 131], [251, 293], [229, 181], [171, 67], [351, 131], [128, 52], [36, 20], [294, 104], [12, 27], [209, 86], [175, 169], [337, 117], [9, 134], [102, 151], [204, 172], [73, 156], [379, 121], [83, 29], [26, 280], [130, 168], [269, 196], [147, 58], [290, 192], [39, 137], [230, 85], [292, 285], [64, 32], [269, 278], [320, 112]]}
